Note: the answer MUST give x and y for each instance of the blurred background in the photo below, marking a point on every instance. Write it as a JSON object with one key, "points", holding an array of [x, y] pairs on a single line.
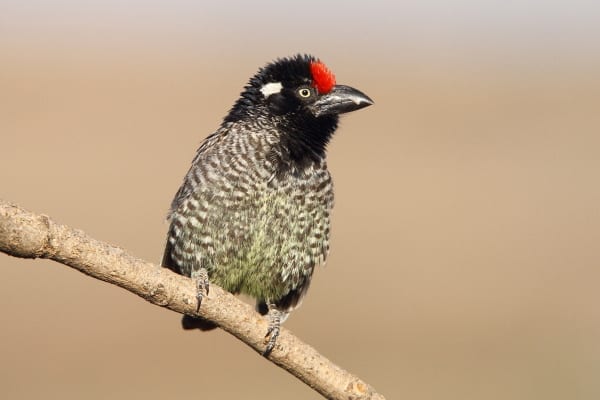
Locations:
{"points": [[465, 259]]}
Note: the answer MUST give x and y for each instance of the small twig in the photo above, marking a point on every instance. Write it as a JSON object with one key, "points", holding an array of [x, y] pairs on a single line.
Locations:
{"points": [[27, 235]]}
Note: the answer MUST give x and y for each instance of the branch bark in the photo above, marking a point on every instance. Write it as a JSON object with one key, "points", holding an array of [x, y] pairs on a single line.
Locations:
{"points": [[27, 235]]}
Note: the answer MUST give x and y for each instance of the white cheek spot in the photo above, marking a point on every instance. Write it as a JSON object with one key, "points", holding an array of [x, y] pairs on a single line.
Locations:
{"points": [[271, 88]]}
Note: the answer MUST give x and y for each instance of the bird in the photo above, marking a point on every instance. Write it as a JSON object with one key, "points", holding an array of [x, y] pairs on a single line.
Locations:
{"points": [[253, 212]]}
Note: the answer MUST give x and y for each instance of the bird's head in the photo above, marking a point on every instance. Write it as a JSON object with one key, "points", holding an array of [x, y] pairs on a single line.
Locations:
{"points": [[299, 97], [299, 86]]}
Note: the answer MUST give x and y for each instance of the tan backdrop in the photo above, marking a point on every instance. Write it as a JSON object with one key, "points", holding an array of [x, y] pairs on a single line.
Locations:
{"points": [[465, 258]]}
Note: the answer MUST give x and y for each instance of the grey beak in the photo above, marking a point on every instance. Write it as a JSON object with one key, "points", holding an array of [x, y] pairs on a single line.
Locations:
{"points": [[341, 99]]}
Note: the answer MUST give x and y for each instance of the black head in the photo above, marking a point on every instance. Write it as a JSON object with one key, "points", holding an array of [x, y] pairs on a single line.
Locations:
{"points": [[298, 94]]}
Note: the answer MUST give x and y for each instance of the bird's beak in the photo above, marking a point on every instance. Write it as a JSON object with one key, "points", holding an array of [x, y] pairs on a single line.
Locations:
{"points": [[341, 99]]}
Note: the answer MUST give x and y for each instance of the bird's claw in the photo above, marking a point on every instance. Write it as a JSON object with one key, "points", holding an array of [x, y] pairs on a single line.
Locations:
{"points": [[274, 316], [270, 340], [202, 285]]}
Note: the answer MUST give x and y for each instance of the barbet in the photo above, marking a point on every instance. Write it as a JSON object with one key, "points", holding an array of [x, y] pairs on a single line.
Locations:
{"points": [[253, 212]]}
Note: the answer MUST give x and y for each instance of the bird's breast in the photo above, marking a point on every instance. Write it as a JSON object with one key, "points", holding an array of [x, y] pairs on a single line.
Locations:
{"points": [[270, 237]]}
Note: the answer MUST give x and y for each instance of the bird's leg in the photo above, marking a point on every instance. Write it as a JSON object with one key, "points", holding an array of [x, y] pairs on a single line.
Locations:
{"points": [[276, 317], [200, 276]]}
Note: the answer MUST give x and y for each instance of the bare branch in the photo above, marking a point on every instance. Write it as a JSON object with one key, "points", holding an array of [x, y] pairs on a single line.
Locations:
{"points": [[27, 235]]}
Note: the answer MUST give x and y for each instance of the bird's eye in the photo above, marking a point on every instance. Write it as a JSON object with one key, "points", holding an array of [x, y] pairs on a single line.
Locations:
{"points": [[304, 92]]}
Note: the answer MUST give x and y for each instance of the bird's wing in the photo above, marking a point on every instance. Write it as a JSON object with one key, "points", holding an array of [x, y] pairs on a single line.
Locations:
{"points": [[185, 190], [167, 261]]}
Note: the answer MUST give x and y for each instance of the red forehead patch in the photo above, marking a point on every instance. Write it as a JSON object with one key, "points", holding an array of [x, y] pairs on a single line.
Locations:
{"points": [[323, 78]]}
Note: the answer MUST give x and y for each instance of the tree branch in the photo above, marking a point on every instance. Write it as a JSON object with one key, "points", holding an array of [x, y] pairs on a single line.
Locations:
{"points": [[27, 235]]}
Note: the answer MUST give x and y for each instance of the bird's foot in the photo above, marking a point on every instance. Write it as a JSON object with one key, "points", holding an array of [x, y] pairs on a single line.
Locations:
{"points": [[201, 278], [276, 317]]}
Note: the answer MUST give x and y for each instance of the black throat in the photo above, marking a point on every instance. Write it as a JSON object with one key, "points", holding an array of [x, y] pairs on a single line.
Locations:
{"points": [[304, 138]]}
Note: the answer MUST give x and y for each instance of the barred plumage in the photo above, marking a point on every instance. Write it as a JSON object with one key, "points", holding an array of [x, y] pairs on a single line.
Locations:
{"points": [[253, 212]]}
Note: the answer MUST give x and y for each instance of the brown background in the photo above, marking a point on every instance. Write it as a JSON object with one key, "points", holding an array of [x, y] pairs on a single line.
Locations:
{"points": [[465, 259]]}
